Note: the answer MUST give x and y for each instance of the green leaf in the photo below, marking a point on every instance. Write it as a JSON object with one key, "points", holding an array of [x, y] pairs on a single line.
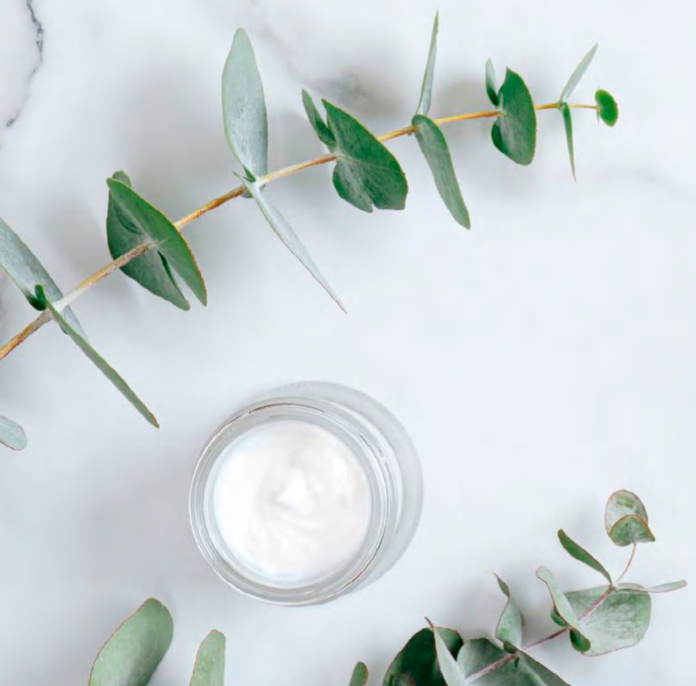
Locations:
{"points": [[244, 107], [626, 519], [580, 554], [150, 270], [417, 662], [95, 358], [131, 656], [564, 609], [514, 132], [288, 236], [360, 675], [568, 125], [619, 622], [607, 109], [24, 268], [12, 435], [510, 625], [366, 173], [577, 75], [522, 670], [491, 85], [662, 588], [426, 94], [129, 212], [209, 669], [315, 119], [434, 147], [451, 671]]}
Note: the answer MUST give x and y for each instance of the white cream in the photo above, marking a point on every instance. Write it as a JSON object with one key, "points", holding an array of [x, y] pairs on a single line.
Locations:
{"points": [[291, 502]]}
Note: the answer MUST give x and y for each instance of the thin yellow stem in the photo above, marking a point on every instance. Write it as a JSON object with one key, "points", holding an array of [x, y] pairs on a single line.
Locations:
{"points": [[124, 259]]}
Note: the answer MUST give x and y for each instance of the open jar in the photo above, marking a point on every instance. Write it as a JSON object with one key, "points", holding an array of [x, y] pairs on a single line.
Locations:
{"points": [[309, 493]]}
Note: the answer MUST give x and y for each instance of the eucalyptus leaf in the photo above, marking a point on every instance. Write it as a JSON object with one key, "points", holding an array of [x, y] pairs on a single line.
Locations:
{"points": [[568, 126], [288, 236], [434, 147], [209, 669], [131, 656], [626, 519], [491, 83], [95, 358], [620, 621], [426, 94], [360, 675], [244, 107], [417, 663], [315, 119], [509, 629], [580, 554], [607, 109], [24, 268], [577, 75], [662, 588], [451, 671], [565, 610], [514, 131], [128, 211], [630, 530], [12, 434]]}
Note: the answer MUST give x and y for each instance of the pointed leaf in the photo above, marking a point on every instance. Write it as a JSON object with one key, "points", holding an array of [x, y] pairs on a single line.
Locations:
{"points": [[417, 662], [244, 107], [451, 672], [426, 94], [131, 656], [577, 75], [288, 236], [12, 435], [209, 669], [564, 609], [95, 358], [24, 268], [619, 622], [626, 519], [662, 588], [514, 132], [491, 84], [316, 120], [607, 109], [360, 675], [580, 554], [509, 628], [150, 270], [434, 147], [568, 125]]}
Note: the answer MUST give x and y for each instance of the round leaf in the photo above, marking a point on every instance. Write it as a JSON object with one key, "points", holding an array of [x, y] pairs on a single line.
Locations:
{"points": [[626, 519], [607, 109], [514, 132]]}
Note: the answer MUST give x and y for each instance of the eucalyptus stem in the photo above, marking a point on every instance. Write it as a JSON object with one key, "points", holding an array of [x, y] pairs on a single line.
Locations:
{"points": [[124, 259]]}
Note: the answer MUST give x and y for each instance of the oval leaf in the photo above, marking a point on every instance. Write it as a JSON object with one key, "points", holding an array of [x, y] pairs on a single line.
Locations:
{"points": [[514, 132], [491, 85], [579, 72], [509, 629], [12, 435], [101, 364], [607, 109], [244, 107], [434, 147], [360, 675], [580, 554], [24, 268], [131, 656], [626, 519], [209, 669], [146, 224], [426, 94]]}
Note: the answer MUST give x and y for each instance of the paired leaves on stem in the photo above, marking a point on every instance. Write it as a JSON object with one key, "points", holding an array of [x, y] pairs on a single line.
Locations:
{"points": [[626, 520]]}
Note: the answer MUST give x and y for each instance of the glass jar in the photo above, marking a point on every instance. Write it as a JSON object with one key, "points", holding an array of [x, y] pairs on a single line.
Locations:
{"points": [[380, 446]]}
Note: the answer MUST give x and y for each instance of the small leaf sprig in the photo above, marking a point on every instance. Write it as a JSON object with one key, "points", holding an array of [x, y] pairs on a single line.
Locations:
{"points": [[149, 247], [598, 621]]}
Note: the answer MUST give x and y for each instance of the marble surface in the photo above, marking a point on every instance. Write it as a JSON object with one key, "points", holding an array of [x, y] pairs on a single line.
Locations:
{"points": [[539, 361]]}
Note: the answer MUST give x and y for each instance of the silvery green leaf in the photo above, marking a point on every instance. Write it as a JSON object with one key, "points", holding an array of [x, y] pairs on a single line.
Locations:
{"points": [[509, 628], [577, 75], [417, 662], [12, 434], [619, 622], [568, 126], [130, 212], [209, 669], [514, 131], [24, 268], [580, 554], [101, 364], [662, 588], [434, 147], [244, 107], [426, 94], [451, 671], [131, 656], [626, 519], [564, 609], [288, 236], [360, 675], [491, 85], [316, 120]]}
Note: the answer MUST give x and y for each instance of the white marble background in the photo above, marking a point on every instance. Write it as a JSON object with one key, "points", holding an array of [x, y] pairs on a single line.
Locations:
{"points": [[540, 361]]}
